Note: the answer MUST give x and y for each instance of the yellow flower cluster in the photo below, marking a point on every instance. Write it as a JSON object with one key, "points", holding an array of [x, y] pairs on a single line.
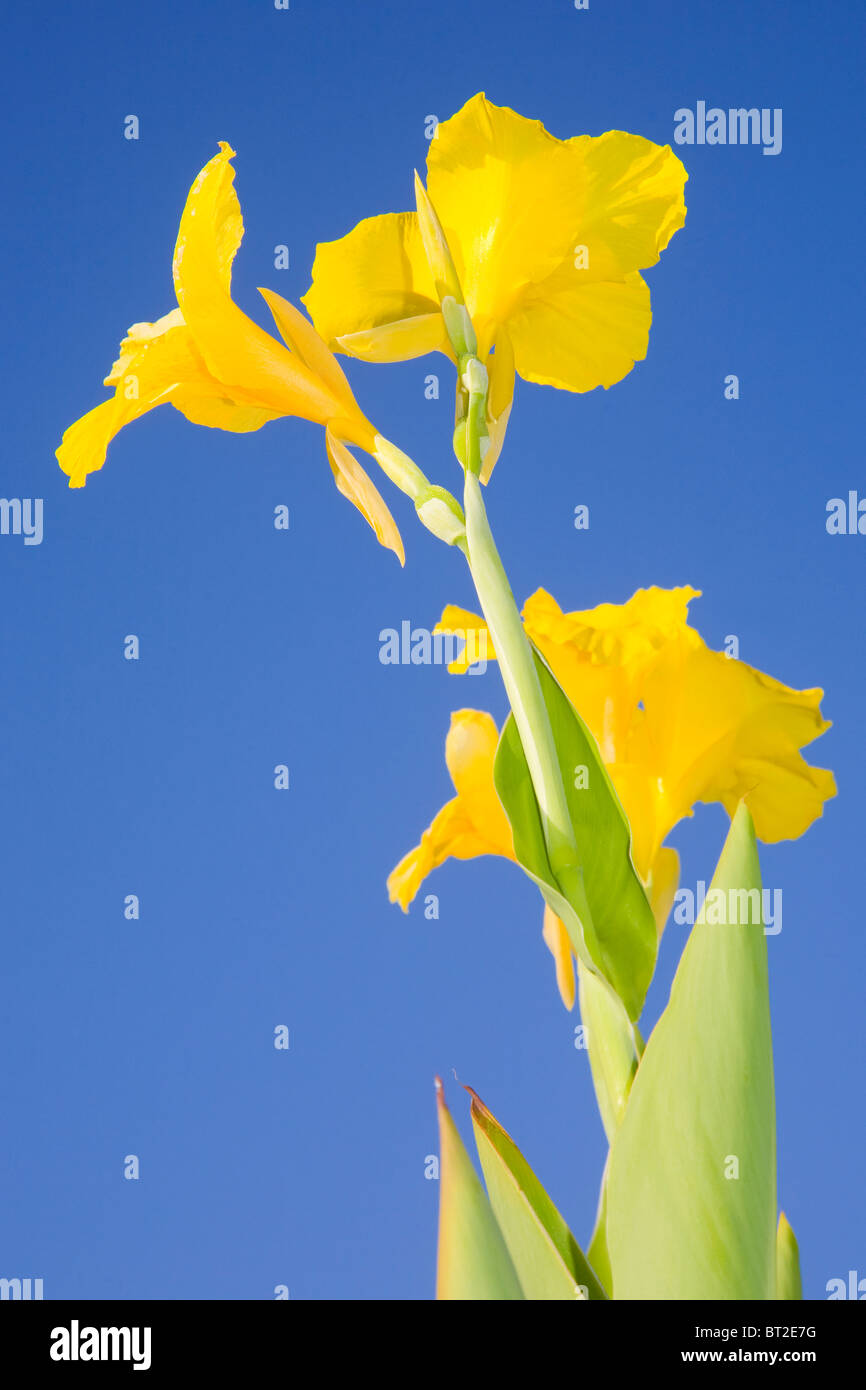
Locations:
{"points": [[676, 724]]}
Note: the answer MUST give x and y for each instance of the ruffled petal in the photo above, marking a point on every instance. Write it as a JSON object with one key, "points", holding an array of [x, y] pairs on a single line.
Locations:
{"points": [[506, 196], [547, 237], [716, 729], [633, 203], [599, 654], [587, 323], [614, 634], [138, 337], [158, 363], [517, 204]]}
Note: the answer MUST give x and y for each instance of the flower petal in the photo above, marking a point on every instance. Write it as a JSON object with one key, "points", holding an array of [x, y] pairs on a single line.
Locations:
{"points": [[614, 634], [398, 341], [505, 192], [301, 337], [357, 486], [663, 883], [633, 202], [558, 942], [577, 336], [598, 655], [376, 277], [158, 363], [470, 749], [715, 729], [474, 632], [451, 835], [472, 823], [237, 351], [84, 444]]}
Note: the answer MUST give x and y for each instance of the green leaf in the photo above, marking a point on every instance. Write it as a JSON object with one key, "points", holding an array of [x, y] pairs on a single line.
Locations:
{"points": [[691, 1199], [549, 1262], [788, 1282], [621, 941], [599, 1256], [474, 1263]]}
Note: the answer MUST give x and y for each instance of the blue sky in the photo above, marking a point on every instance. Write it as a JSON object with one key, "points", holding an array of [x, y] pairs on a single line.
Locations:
{"points": [[259, 908]]}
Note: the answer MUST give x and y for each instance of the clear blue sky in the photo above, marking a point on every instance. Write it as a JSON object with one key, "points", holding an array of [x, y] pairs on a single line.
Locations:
{"points": [[259, 647]]}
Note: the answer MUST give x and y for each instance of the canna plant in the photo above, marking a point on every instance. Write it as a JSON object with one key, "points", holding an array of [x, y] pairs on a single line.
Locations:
{"points": [[523, 256]]}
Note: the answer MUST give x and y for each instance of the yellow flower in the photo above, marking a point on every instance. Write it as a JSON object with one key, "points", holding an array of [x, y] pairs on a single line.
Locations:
{"points": [[473, 822], [676, 724], [548, 238], [219, 368]]}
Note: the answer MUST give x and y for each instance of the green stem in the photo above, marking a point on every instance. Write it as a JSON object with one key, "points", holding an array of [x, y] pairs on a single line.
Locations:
{"points": [[613, 1045], [517, 663], [514, 653]]}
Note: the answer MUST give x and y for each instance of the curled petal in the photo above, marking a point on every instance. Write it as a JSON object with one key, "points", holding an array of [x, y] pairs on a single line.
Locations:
{"points": [[237, 351], [357, 486], [451, 835], [473, 822]]}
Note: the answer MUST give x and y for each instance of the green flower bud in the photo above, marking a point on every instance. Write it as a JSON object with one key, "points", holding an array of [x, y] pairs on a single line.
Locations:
{"points": [[441, 513]]}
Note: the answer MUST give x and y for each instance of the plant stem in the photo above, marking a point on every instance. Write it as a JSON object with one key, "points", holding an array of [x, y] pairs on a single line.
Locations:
{"points": [[522, 685], [517, 659]]}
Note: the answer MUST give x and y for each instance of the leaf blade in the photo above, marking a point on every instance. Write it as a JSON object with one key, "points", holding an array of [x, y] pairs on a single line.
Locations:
{"points": [[622, 919], [677, 1226], [549, 1262], [473, 1262], [789, 1285]]}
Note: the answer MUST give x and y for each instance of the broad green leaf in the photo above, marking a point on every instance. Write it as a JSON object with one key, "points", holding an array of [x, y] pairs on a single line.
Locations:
{"points": [[622, 919], [691, 1196], [474, 1263], [549, 1262], [788, 1282]]}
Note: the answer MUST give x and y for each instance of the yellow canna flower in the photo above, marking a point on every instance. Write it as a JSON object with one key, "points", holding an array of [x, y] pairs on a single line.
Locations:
{"points": [[679, 724], [676, 724], [548, 238], [216, 366]]}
